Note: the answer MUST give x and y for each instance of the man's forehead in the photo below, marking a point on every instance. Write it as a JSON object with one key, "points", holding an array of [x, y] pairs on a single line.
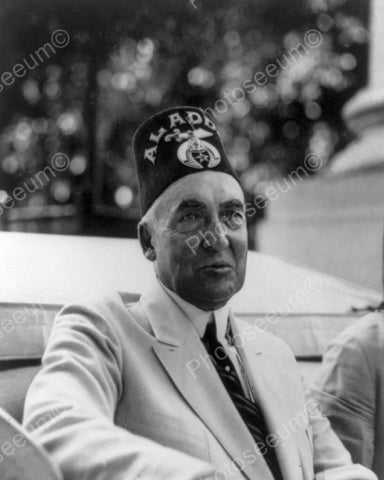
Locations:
{"points": [[206, 187], [209, 188]]}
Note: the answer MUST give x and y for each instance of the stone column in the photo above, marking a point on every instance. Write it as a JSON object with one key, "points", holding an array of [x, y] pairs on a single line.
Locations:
{"points": [[364, 113], [334, 222]]}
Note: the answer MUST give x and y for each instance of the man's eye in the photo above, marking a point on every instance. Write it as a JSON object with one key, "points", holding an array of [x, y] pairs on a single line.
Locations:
{"points": [[234, 218], [189, 217]]}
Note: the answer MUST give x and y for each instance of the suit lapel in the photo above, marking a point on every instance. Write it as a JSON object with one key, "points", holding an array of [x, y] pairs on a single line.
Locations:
{"points": [[266, 383], [184, 358]]}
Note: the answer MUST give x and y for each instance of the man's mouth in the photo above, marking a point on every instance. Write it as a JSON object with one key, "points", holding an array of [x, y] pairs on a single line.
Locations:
{"points": [[218, 267]]}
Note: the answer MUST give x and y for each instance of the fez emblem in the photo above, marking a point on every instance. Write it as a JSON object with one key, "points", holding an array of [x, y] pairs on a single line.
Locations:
{"points": [[195, 152]]}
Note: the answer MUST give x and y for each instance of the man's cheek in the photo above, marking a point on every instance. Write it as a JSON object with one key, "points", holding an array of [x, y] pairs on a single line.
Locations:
{"points": [[192, 243], [183, 252], [188, 244]]}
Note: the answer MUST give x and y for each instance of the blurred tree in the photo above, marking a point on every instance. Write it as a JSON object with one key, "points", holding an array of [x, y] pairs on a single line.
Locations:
{"points": [[273, 75]]}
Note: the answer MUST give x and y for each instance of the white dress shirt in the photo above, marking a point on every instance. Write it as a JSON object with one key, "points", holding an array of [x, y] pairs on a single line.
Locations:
{"points": [[200, 319]]}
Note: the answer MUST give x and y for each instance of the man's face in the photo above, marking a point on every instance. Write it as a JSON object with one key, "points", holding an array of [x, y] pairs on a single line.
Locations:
{"points": [[200, 239]]}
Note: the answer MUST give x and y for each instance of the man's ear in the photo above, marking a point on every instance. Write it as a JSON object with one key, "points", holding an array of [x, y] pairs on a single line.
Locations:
{"points": [[146, 241]]}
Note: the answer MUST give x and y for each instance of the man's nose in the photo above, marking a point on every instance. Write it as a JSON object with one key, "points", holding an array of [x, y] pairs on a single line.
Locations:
{"points": [[215, 236]]}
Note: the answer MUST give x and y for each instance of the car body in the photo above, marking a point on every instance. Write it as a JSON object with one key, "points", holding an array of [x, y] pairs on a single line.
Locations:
{"points": [[40, 273]]}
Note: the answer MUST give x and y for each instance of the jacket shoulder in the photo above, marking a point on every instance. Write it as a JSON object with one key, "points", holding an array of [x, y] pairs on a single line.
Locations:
{"points": [[106, 303], [369, 329], [107, 312], [364, 338]]}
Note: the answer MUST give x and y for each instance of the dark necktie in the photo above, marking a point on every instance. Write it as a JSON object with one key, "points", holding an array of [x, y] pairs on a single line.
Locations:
{"points": [[248, 410]]}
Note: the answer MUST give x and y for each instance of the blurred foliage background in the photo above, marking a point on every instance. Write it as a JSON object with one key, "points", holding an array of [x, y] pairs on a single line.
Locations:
{"points": [[125, 60]]}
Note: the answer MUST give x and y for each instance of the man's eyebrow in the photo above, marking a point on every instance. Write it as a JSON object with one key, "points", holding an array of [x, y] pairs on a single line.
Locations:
{"points": [[233, 204], [190, 204]]}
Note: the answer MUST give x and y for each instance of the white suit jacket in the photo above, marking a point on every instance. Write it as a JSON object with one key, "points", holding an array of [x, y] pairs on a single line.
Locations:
{"points": [[351, 390], [121, 396]]}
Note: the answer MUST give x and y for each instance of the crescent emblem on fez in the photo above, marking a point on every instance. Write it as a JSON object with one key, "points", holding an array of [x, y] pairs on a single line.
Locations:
{"points": [[198, 153]]}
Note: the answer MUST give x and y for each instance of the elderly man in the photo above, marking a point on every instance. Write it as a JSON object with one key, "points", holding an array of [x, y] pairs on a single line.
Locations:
{"points": [[174, 387]]}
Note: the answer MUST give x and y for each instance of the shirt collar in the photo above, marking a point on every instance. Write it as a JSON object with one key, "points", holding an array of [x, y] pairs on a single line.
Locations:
{"points": [[198, 317]]}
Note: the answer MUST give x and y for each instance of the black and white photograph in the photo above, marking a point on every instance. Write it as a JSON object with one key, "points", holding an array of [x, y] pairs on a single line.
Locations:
{"points": [[191, 239]]}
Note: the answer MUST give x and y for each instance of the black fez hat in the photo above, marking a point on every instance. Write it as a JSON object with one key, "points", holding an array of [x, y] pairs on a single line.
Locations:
{"points": [[172, 144]]}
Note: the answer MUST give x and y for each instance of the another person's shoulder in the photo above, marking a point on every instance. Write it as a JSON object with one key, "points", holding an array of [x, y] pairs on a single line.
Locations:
{"points": [[357, 353], [369, 328], [366, 335]]}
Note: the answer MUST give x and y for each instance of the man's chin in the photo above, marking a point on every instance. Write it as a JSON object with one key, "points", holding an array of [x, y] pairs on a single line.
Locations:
{"points": [[215, 296]]}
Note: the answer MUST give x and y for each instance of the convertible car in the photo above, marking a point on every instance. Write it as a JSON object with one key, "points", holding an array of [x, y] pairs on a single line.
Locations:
{"points": [[42, 272]]}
